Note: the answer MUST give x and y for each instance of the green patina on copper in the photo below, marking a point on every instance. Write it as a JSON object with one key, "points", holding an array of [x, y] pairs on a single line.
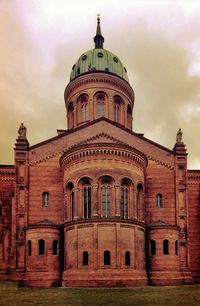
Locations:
{"points": [[99, 59]]}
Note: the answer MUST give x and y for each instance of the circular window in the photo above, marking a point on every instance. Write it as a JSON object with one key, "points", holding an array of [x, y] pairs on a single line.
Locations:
{"points": [[100, 54], [84, 57], [125, 69], [115, 59]]}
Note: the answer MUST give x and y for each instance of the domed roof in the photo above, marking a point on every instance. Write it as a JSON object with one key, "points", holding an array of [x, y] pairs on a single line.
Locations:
{"points": [[98, 59]]}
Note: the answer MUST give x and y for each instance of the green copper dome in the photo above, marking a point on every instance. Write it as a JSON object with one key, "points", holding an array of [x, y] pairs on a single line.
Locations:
{"points": [[99, 59]]}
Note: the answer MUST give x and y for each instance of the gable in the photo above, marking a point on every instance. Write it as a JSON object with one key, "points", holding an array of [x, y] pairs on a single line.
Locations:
{"points": [[101, 131]]}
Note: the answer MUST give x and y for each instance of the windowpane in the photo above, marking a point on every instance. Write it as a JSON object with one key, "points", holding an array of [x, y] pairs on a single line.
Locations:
{"points": [[87, 202], [55, 247], [29, 248], [85, 258], [106, 258], [45, 199], [153, 247], [127, 258], [176, 247], [166, 247], [41, 244], [106, 201], [159, 200]]}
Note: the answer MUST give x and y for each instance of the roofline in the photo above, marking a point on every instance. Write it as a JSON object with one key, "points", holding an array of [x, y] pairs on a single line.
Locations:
{"points": [[7, 166], [68, 132], [100, 71]]}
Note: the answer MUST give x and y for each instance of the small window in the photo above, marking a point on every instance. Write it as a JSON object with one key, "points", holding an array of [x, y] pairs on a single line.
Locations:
{"points": [[29, 248], [78, 71], [84, 57], [100, 54], [85, 258], [55, 247], [176, 247], [106, 258], [159, 200], [115, 59], [166, 247], [127, 258], [41, 244], [45, 199], [153, 247]]}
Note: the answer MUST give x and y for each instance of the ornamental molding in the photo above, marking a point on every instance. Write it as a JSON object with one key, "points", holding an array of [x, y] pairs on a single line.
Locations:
{"points": [[100, 78]]}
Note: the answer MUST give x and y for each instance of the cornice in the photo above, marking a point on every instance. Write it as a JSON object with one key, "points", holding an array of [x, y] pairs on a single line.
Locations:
{"points": [[99, 77]]}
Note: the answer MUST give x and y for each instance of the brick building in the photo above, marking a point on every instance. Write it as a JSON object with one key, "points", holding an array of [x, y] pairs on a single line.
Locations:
{"points": [[99, 204]]}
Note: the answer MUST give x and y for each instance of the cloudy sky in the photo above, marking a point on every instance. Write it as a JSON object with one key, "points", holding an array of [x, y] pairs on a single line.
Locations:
{"points": [[157, 41]]}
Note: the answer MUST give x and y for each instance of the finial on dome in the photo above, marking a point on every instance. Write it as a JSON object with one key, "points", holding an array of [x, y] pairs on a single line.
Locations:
{"points": [[98, 39]]}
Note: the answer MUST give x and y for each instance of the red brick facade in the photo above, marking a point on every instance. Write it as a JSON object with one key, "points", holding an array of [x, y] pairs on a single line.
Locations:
{"points": [[99, 205]]}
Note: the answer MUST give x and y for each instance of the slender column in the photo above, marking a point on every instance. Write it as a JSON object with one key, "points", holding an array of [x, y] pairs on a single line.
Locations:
{"points": [[117, 200], [95, 202]]}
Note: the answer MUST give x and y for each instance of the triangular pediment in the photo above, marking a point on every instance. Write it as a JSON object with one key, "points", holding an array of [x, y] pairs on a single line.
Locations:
{"points": [[101, 131]]}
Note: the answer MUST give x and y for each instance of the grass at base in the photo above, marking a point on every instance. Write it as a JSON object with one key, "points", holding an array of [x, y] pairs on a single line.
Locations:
{"points": [[12, 295]]}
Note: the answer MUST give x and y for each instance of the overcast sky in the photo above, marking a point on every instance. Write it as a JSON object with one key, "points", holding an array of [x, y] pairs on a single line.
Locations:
{"points": [[157, 41]]}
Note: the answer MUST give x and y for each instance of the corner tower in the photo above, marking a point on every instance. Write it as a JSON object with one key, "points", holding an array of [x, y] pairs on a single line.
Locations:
{"points": [[99, 87]]}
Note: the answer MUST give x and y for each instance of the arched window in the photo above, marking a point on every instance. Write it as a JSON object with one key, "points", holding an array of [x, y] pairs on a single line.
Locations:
{"points": [[72, 204], [153, 247], [105, 199], [70, 200], [176, 247], [87, 201], [29, 248], [159, 200], [116, 112], [165, 247], [85, 258], [129, 117], [124, 202], [139, 200], [45, 199], [106, 258], [100, 105], [127, 258], [55, 247], [41, 245], [70, 116], [83, 112]]}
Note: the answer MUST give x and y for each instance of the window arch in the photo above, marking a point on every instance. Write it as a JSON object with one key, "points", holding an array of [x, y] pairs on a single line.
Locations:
{"points": [[166, 247], [127, 258], [116, 108], [45, 199], [71, 202], [85, 258], [100, 105], [106, 258], [159, 200], [176, 247], [152, 247], [83, 108], [70, 115], [29, 248], [124, 202], [41, 245], [55, 247]]}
